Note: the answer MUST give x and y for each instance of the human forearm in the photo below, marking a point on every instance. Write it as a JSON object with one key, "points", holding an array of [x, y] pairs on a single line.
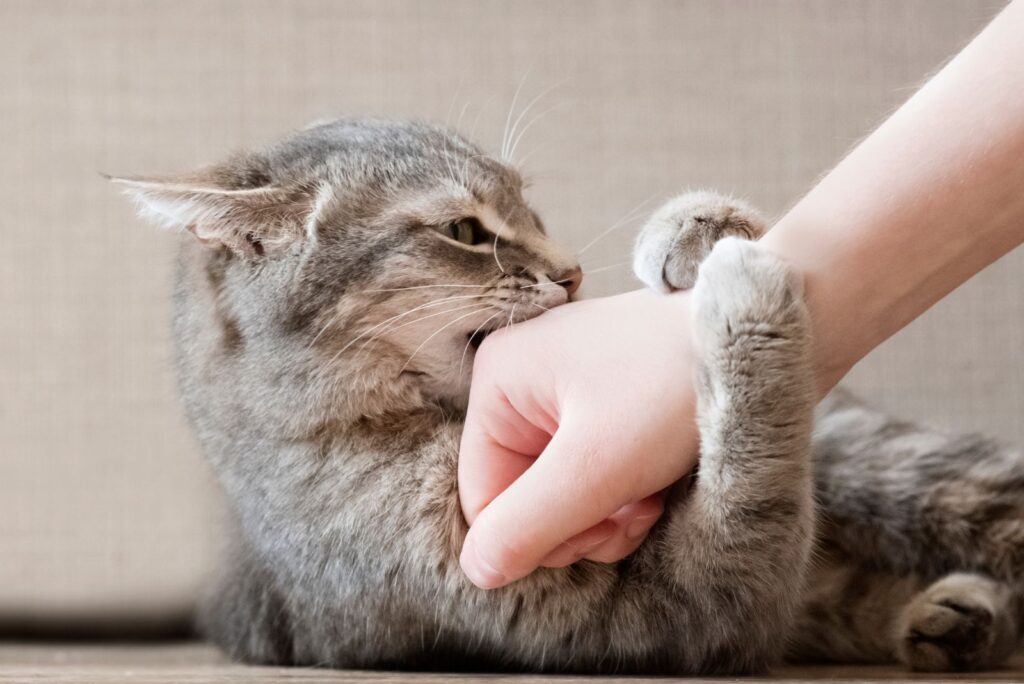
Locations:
{"points": [[561, 436], [929, 199]]}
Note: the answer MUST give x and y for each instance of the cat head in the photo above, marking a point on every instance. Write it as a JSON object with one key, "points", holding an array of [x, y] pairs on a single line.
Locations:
{"points": [[373, 251]]}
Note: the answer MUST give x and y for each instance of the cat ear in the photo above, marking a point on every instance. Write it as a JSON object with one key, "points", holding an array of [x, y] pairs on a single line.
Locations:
{"points": [[250, 221]]}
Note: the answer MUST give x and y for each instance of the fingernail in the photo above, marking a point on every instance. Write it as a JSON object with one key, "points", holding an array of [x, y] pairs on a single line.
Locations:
{"points": [[639, 527], [480, 572]]}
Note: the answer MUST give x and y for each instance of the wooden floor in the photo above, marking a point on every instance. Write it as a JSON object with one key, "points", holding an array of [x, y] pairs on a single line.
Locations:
{"points": [[191, 663]]}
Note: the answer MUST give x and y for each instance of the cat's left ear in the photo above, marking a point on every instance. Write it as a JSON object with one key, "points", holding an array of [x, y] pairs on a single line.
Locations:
{"points": [[250, 221]]}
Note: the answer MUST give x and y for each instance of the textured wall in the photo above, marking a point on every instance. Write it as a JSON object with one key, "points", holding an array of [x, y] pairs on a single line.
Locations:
{"points": [[104, 503]]}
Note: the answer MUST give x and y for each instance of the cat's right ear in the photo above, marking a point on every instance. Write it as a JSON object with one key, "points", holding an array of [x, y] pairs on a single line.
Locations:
{"points": [[250, 221]]}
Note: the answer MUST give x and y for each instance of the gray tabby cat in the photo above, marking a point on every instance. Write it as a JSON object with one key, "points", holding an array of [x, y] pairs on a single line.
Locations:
{"points": [[326, 319]]}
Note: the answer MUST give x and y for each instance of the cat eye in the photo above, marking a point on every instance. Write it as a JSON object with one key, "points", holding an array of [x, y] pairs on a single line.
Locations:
{"points": [[467, 230]]}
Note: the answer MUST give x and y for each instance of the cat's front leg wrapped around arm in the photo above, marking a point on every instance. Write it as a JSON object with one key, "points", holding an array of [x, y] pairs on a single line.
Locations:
{"points": [[738, 543], [715, 587]]}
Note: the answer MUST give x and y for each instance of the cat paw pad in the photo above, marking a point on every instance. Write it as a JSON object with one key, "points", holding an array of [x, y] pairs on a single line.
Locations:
{"points": [[678, 237], [959, 623]]}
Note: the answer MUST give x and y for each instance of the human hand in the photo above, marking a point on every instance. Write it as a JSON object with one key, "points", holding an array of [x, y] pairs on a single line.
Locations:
{"points": [[577, 421]]}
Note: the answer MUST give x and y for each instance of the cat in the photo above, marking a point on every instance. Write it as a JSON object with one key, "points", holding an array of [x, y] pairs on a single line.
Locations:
{"points": [[327, 308]]}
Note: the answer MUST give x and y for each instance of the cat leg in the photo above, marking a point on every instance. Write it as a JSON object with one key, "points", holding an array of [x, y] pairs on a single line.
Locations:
{"points": [[964, 621], [855, 612], [678, 237], [736, 546]]}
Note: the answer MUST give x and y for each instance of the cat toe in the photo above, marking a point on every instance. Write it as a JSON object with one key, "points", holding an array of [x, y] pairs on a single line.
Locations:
{"points": [[745, 291], [958, 623], [680, 235]]}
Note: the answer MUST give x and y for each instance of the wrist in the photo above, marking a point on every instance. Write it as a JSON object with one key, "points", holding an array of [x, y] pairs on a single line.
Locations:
{"points": [[840, 336]]}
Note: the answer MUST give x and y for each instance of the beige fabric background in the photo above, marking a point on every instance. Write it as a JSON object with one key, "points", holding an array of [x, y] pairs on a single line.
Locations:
{"points": [[104, 504]]}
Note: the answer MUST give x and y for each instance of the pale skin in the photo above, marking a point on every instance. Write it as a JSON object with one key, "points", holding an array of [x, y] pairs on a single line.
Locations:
{"points": [[578, 419]]}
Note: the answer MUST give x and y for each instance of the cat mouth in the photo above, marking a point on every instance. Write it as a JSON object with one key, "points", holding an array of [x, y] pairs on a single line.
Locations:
{"points": [[477, 338]]}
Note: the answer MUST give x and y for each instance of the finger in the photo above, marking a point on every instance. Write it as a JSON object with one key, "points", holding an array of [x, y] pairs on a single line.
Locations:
{"points": [[570, 551], [498, 442], [569, 489], [486, 468], [632, 524]]}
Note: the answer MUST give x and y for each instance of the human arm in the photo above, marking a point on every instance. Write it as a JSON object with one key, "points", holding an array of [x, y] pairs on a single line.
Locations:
{"points": [[930, 198], [551, 451]]}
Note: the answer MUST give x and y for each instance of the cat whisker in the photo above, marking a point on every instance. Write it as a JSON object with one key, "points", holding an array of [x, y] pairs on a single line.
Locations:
{"points": [[463, 171], [329, 323], [476, 119], [465, 350], [597, 263], [376, 327], [412, 322], [423, 287], [531, 122], [539, 306], [496, 261], [504, 221], [508, 119], [609, 267], [514, 136], [547, 282], [507, 150], [438, 332], [618, 224], [466, 162], [448, 163]]}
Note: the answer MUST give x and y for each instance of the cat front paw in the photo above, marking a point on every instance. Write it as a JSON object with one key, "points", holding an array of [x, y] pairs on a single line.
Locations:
{"points": [[961, 622], [679, 235], [744, 292]]}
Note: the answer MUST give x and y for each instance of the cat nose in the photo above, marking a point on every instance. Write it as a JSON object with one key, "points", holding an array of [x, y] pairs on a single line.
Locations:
{"points": [[569, 278]]}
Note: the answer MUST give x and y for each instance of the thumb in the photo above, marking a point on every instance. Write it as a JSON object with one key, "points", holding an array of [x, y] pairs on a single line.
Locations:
{"points": [[563, 497]]}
